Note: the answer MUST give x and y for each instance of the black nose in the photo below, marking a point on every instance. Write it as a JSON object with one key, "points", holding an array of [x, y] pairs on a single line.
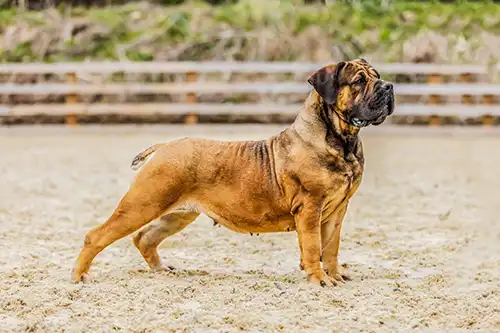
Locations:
{"points": [[388, 86]]}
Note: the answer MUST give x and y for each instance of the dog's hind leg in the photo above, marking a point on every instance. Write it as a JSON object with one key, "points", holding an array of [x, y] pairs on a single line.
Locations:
{"points": [[148, 238], [143, 203]]}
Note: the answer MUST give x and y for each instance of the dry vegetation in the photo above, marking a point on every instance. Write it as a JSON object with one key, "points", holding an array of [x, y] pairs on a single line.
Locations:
{"points": [[256, 30]]}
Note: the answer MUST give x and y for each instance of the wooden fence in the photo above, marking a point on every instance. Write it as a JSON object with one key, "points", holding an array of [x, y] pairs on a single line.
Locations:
{"points": [[460, 91]]}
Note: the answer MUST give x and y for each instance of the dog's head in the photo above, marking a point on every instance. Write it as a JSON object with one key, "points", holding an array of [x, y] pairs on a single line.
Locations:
{"points": [[354, 90]]}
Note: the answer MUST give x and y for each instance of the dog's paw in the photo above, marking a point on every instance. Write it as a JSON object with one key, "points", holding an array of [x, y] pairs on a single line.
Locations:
{"points": [[163, 268], [340, 277], [80, 278], [323, 280]]}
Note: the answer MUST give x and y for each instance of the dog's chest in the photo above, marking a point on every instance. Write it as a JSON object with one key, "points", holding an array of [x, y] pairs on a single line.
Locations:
{"points": [[345, 171], [344, 181], [353, 173]]}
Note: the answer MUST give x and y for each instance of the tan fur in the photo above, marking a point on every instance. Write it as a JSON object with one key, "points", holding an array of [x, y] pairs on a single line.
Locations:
{"points": [[298, 180], [143, 156]]}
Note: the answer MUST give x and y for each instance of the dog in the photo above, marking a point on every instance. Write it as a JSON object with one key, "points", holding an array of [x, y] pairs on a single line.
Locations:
{"points": [[298, 180]]}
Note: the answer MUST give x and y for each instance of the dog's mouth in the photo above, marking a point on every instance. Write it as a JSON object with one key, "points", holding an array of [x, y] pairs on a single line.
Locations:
{"points": [[390, 105], [382, 113], [386, 112], [358, 122]]}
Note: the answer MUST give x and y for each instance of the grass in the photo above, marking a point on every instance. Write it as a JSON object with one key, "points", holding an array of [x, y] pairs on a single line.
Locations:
{"points": [[252, 30]]}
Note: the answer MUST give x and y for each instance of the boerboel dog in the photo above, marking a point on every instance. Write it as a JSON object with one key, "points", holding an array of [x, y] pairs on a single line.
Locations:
{"points": [[298, 180]]}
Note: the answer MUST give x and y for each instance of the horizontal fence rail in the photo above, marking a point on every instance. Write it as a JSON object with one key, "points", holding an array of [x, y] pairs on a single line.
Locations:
{"points": [[448, 110], [234, 88], [224, 67], [475, 99]]}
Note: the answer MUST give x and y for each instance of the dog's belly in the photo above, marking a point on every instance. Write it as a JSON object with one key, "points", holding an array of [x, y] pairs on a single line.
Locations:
{"points": [[253, 224], [243, 221]]}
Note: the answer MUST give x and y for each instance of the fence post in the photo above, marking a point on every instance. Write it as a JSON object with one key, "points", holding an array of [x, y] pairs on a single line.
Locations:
{"points": [[191, 118], [467, 78], [434, 78], [70, 118], [487, 120]]}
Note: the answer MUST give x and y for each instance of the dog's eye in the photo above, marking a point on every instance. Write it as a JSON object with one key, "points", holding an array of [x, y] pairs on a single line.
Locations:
{"points": [[359, 81]]}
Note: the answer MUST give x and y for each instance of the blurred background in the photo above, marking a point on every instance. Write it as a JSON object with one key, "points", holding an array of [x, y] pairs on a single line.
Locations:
{"points": [[143, 59]]}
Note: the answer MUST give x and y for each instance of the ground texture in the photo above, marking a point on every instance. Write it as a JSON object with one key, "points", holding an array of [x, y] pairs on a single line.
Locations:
{"points": [[421, 241]]}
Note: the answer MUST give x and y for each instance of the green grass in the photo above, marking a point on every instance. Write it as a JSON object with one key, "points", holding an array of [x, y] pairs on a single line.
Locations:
{"points": [[248, 30]]}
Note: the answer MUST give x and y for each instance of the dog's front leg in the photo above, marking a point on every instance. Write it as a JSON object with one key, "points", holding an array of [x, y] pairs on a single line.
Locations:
{"points": [[308, 224], [330, 241]]}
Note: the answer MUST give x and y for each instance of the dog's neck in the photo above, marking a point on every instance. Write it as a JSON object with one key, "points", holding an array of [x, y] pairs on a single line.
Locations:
{"points": [[319, 124]]}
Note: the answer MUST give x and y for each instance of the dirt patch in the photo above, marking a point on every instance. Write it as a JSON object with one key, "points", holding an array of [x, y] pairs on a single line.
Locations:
{"points": [[421, 241]]}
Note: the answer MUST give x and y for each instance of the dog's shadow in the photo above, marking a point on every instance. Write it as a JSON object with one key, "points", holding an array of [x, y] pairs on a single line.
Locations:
{"points": [[240, 275]]}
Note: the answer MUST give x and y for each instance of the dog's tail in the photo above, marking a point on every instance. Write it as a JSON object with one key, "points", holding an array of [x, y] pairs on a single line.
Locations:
{"points": [[143, 156]]}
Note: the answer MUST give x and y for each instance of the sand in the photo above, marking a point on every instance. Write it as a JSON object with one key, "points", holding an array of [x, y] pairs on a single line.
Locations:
{"points": [[421, 241]]}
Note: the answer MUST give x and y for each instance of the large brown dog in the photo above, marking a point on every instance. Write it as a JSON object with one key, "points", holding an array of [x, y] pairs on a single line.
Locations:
{"points": [[301, 179]]}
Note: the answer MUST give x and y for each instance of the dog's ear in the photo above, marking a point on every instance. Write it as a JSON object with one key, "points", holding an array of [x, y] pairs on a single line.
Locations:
{"points": [[326, 81]]}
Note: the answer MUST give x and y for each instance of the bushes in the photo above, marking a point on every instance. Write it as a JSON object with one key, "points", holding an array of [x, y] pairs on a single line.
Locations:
{"points": [[255, 30]]}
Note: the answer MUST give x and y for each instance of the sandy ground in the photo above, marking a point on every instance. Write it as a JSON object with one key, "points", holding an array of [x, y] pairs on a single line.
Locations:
{"points": [[421, 240]]}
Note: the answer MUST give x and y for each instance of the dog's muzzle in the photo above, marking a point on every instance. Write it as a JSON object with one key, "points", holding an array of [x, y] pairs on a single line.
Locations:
{"points": [[378, 110], [358, 122]]}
